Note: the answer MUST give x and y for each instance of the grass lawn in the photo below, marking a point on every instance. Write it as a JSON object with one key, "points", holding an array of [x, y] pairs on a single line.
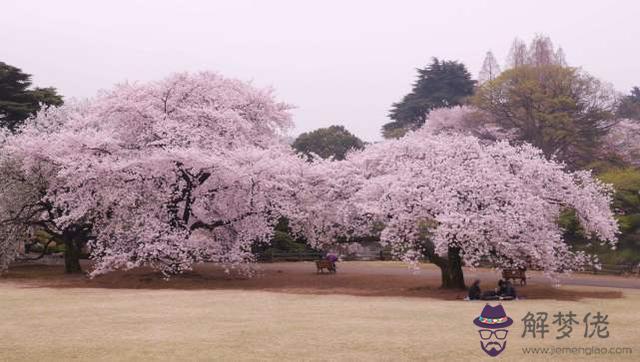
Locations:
{"points": [[97, 323]]}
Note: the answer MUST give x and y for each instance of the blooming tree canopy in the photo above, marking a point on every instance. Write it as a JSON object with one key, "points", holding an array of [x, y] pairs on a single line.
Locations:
{"points": [[624, 139], [466, 120], [168, 173], [192, 169], [444, 196]]}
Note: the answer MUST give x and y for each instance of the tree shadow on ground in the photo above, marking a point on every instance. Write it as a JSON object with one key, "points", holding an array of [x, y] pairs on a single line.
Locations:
{"points": [[293, 278]]}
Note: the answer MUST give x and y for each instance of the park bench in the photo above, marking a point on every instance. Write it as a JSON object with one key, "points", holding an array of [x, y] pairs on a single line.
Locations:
{"points": [[325, 264], [514, 274]]}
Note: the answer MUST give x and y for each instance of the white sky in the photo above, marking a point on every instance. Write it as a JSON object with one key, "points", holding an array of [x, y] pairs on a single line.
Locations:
{"points": [[339, 62]]}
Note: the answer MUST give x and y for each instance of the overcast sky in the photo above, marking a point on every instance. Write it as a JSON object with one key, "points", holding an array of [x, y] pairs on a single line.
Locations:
{"points": [[339, 62]]}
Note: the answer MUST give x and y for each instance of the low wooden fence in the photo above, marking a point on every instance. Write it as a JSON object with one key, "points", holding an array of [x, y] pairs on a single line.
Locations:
{"points": [[290, 256], [617, 269], [606, 269], [316, 255]]}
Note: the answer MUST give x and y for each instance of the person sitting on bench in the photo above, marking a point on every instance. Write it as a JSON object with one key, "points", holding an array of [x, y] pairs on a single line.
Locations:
{"points": [[331, 257]]}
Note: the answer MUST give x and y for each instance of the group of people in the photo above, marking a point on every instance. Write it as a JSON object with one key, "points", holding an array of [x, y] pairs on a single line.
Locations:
{"points": [[504, 291]]}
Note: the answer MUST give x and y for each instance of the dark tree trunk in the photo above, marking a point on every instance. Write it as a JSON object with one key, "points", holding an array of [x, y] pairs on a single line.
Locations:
{"points": [[452, 275], [71, 257], [450, 268], [74, 238]]}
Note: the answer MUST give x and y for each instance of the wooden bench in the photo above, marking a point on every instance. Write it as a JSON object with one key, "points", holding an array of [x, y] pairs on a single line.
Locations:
{"points": [[325, 264], [514, 274]]}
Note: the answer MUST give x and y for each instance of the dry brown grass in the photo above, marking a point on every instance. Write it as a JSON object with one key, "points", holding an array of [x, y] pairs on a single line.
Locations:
{"points": [[104, 320]]}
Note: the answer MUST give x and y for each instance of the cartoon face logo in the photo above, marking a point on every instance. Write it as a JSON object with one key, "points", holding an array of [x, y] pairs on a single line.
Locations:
{"points": [[493, 323]]}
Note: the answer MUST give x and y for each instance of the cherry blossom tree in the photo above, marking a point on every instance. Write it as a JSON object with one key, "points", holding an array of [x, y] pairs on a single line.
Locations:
{"points": [[168, 173], [325, 211], [467, 120], [192, 169], [24, 206], [18, 198], [623, 139], [458, 201]]}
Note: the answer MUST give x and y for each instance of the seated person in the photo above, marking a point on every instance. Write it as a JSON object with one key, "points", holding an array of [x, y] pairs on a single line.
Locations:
{"points": [[509, 292], [474, 291], [331, 257], [501, 285]]}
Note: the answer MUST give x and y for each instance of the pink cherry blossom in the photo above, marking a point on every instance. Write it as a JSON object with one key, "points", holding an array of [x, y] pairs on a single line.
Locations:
{"points": [[168, 174], [193, 169], [494, 202], [624, 139]]}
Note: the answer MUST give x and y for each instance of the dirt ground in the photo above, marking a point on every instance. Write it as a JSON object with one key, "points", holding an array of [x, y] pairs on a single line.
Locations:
{"points": [[366, 312], [353, 278]]}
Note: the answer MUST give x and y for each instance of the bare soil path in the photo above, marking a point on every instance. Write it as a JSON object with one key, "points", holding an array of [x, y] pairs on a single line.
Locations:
{"points": [[353, 278]]}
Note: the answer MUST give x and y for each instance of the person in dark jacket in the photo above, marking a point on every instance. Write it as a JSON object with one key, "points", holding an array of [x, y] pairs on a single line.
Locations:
{"points": [[501, 287], [474, 291], [509, 291]]}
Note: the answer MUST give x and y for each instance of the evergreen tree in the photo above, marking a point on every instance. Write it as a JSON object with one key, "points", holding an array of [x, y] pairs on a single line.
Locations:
{"points": [[17, 100], [630, 105], [440, 84]]}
